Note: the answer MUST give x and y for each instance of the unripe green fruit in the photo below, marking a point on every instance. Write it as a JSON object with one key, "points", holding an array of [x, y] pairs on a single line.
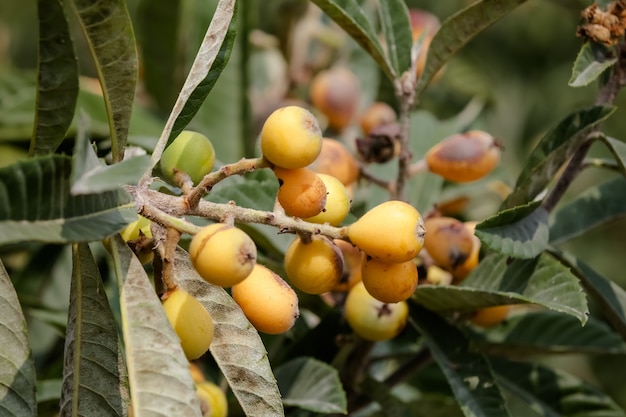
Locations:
{"points": [[222, 254], [291, 137], [337, 204], [448, 241], [213, 401], [393, 231], [191, 153], [314, 267], [389, 282], [190, 320], [268, 302], [372, 319], [301, 193]]}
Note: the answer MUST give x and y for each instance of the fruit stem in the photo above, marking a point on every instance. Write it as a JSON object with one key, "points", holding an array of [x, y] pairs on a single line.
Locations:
{"points": [[371, 178], [166, 241], [405, 92], [418, 167]]}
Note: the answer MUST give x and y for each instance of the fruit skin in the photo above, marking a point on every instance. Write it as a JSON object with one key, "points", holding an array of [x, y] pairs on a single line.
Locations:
{"points": [[372, 319], [141, 226], [190, 320], [337, 204], [314, 267], [464, 157], [291, 137], [448, 241], [352, 260], [191, 153], [462, 271], [335, 92], [212, 400], [377, 114], [302, 193], [389, 282], [222, 254], [336, 160], [490, 316], [420, 21], [393, 231], [268, 302]]}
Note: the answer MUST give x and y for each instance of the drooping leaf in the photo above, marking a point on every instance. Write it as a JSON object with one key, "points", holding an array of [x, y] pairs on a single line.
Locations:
{"points": [[467, 372], [94, 373], [555, 147], [312, 385], [158, 371], [349, 15], [594, 207], [17, 374], [108, 29], [394, 19], [57, 84], [520, 232], [36, 205], [592, 60], [457, 30], [618, 149], [553, 393], [236, 347]]}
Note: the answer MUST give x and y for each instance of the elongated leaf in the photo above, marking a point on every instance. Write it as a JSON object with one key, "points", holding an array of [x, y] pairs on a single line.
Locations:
{"points": [[57, 84], [592, 60], [94, 374], [593, 208], [111, 177], [17, 373], [553, 393], [158, 371], [467, 372], [236, 347], [457, 30], [618, 149], [109, 31], [36, 205], [553, 150], [349, 15], [394, 18], [520, 232]]}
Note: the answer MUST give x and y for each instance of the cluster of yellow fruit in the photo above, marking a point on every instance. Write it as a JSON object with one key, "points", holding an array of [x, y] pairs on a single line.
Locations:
{"points": [[213, 402]]}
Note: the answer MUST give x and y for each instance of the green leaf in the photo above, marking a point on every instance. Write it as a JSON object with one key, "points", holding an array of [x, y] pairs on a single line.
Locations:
{"points": [[256, 190], [592, 60], [49, 390], [237, 347], [112, 177], [520, 232], [595, 207], [553, 393], [94, 374], [36, 205], [467, 372], [312, 385], [618, 149], [555, 147], [57, 84], [381, 393], [17, 374], [349, 15], [457, 30], [109, 31], [394, 18], [158, 371]]}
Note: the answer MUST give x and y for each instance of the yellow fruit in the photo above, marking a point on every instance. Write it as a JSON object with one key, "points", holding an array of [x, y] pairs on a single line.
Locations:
{"points": [[291, 137], [301, 193], [336, 160], [213, 401], [190, 320], [141, 226], [437, 276], [490, 316], [196, 373], [372, 319], [268, 302], [352, 261], [191, 153], [464, 157], [462, 271], [389, 282], [377, 114], [393, 231], [335, 93], [314, 267], [337, 204], [448, 241], [222, 254]]}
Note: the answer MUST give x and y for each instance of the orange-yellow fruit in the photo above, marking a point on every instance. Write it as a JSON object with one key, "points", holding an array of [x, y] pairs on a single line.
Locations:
{"points": [[268, 302], [490, 316], [448, 241], [420, 21], [335, 93], [337, 204], [393, 231], [191, 153], [291, 137], [336, 160], [301, 193], [389, 282], [377, 114], [222, 254], [196, 373], [464, 157], [190, 320], [352, 261], [314, 267], [462, 271], [213, 401], [372, 319]]}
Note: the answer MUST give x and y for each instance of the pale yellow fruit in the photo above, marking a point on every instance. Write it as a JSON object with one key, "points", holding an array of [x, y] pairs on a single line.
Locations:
{"points": [[191, 153], [337, 204], [389, 282], [213, 401], [314, 267], [141, 226]]}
